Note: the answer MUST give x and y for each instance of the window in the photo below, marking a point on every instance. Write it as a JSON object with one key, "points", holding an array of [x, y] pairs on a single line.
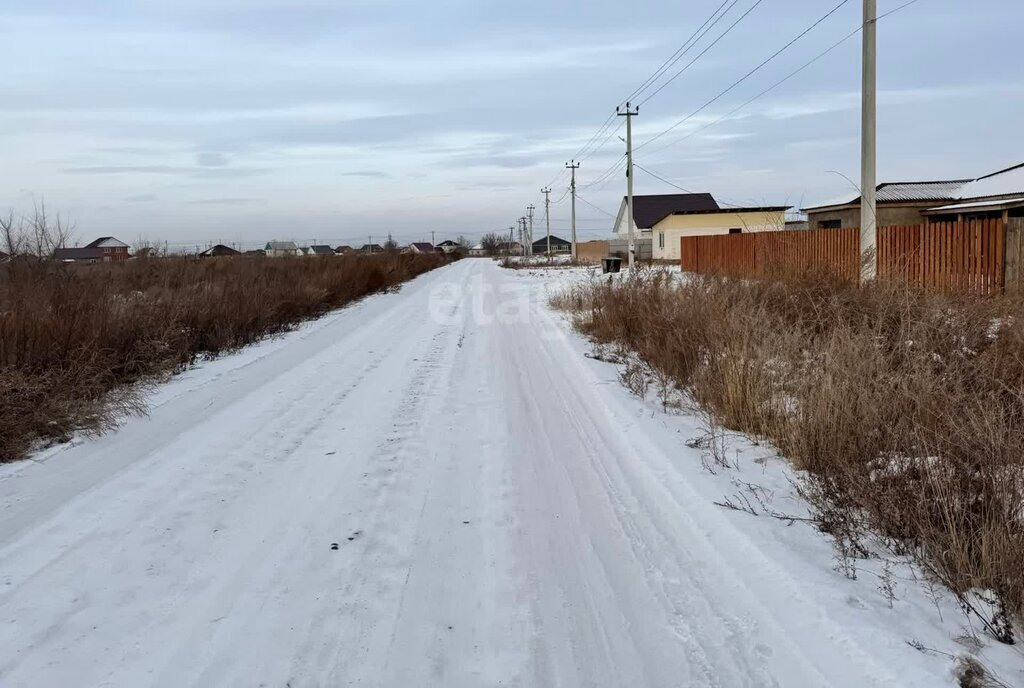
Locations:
{"points": [[830, 224], [661, 239], [736, 230]]}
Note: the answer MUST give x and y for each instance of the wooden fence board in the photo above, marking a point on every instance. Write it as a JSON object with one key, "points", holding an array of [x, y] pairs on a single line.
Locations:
{"points": [[939, 256]]}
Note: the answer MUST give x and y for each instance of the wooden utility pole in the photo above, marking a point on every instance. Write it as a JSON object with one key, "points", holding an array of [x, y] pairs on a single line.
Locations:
{"points": [[629, 114], [868, 216], [573, 165]]}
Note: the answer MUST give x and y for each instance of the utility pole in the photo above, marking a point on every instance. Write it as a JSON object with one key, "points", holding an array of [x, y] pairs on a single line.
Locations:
{"points": [[547, 214], [432, 239], [629, 114], [529, 210], [868, 150], [573, 165], [520, 224]]}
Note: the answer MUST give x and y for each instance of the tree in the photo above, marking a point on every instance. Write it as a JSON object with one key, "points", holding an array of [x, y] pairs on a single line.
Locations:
{"points": [[490, 243], [36, 235], [390, 246]]}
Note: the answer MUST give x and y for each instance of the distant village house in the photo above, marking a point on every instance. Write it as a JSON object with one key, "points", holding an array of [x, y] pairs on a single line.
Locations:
{"points": [[102, 250], [281, 249]]}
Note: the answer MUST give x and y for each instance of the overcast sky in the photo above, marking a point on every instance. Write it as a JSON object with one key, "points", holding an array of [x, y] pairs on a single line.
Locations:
{"points": [[190, 121]]}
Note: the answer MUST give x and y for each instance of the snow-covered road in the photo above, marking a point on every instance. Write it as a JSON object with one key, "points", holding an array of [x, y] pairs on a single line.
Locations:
{"points": [[429, 488]]}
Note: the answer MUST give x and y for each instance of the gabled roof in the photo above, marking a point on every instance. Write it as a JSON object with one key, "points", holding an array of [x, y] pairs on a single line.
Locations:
{"points": [[371, 247], [342, 248], [447, 242], [220, 250], [424, 246], [321, 250], [281, 246], [108, 243], [649, 210], [543, 241]]}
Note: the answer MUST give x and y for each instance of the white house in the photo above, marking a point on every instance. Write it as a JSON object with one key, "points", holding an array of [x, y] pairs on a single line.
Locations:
{"points": [[281, 249]]}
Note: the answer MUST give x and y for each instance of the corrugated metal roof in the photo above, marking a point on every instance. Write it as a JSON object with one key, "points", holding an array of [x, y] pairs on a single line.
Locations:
{"points": [[920, 191], [948, 190]]}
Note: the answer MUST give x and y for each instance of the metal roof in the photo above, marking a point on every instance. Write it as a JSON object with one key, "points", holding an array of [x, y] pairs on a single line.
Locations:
{"points": [[649, 210], [920, 191]]}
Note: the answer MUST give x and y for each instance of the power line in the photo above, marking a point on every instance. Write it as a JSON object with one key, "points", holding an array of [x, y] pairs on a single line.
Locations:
{"points": [[703, 52], [600, 210], [604, 142], [681, 52], [607, 173], [781, 81], [745, 76]]}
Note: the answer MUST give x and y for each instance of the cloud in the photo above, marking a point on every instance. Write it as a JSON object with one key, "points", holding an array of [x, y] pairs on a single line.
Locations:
{"points": [[224, 172], [366, 173], [211, 159], [227, 201]]}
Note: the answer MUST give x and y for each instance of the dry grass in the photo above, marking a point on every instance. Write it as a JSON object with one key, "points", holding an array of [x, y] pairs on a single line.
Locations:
{"points": [[906, 409], [76, 340]]}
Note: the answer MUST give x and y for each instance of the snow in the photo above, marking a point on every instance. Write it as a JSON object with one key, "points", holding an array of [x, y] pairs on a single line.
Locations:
{"points": [[505, 513], [978, 204], [1006, 183]]}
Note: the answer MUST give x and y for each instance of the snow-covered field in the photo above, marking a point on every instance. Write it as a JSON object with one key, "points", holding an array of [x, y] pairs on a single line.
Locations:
{"points": [[436, 488]]}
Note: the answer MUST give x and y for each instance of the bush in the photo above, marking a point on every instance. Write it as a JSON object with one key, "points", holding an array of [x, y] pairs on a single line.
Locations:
{"points": [[906, 409], [74, 338]]}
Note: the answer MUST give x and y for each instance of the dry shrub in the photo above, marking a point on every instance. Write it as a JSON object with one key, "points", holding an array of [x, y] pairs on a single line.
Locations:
{"points": [[76, 339], [905, 408]]}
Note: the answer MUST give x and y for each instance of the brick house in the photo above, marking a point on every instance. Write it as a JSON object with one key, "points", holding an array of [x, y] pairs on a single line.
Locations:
{"points": [[102, 250]]}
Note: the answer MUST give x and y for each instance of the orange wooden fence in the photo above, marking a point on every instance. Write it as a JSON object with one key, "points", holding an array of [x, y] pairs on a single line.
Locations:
{"points": [[961, 255]]}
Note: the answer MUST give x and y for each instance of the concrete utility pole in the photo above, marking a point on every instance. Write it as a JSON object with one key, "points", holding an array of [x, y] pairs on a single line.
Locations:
{"points": [[629, 114], [432, 240], [547, 213], [529, 212], [868, 217], [573, 165]]}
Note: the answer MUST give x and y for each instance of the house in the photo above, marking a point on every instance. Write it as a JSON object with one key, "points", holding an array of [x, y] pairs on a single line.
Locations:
{"points": [[558, 245], [663, 219], [448, 246], [219, 251], [996, 195], [256, 252], [667, 232], [650, 209], [371, 248], [320, 250], [113, 249], [421, 247], [102, 250], [343, 249], [478, 250], [281, 249]]}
